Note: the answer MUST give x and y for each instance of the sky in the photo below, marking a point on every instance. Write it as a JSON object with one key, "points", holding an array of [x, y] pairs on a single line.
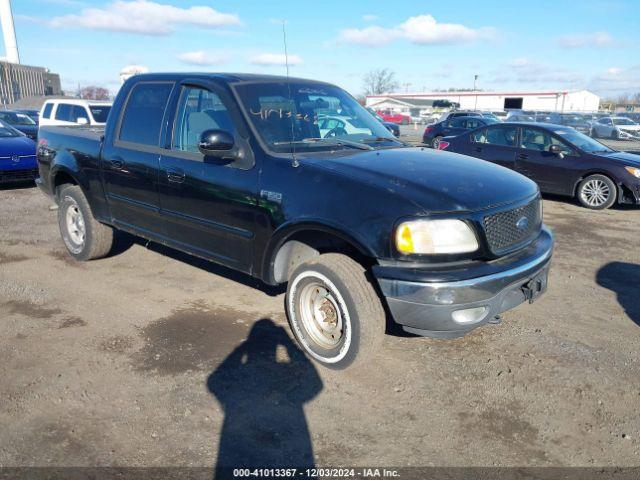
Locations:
{"points": [[510, 45]]}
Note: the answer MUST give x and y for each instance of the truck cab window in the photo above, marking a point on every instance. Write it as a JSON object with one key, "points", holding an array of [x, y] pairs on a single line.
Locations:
{"points": [[142, 119], [63, 112], [47, 110], [199, 110]]}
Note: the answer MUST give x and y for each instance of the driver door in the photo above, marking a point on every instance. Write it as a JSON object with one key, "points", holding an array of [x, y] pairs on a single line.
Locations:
{"points": [[208, 206], [552, 173]]}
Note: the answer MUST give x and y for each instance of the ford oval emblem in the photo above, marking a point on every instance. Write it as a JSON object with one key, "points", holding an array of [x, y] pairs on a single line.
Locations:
{"points": [[522, 224], [15, 158]]}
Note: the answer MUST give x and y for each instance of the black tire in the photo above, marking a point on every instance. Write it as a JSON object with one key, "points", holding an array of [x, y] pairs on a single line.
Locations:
{"points": [[435, 141], [615, 135], [593, 133], [587, 185], [96, 240], [352, 301]]}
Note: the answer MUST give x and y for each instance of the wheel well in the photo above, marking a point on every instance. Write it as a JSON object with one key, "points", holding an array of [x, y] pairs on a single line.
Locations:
{"points": [[62, 178], [587, 175], [304, 245]]}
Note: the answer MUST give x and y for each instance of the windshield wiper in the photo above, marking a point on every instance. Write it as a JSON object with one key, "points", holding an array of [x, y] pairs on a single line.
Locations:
{"points": [[331, 141], [386, 139]]}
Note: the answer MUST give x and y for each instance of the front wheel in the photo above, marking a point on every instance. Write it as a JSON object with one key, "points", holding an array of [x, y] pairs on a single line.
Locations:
{"points": [[84, 237], [334, 311], [597, 192]]}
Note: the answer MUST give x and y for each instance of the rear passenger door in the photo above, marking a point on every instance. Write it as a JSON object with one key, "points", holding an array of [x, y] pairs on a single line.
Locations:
{"points": [[496, 143], [130, 164], [208, 205]]}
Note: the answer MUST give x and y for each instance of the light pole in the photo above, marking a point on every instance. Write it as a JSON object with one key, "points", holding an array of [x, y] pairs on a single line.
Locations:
{"points": [[475, 105]]}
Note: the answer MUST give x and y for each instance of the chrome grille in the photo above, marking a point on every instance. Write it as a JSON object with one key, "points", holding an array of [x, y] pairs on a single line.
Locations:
{"points": [[507, 230]]}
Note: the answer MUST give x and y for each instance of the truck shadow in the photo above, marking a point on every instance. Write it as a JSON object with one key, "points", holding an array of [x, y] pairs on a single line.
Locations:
{"points": [[623, 278], [262, 387]]}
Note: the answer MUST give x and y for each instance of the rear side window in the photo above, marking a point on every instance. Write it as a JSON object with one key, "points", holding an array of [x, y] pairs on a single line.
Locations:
{"points": [[46, 113], [63, 112], [501, 136], [142, 118]]}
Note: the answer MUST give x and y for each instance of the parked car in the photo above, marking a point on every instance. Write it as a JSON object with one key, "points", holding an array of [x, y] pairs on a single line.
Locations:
{"points": [[74, 112], [452, 126], [21, 122], [520, 117], [458, 113], [559, 159], [394, 117], [617, 128], [33, 114], [392, 127], [232, 168], [17, 156], [574, 120]]}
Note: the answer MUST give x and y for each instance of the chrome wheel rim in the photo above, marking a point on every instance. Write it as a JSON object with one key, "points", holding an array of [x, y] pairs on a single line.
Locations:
{"points": [[321, 316], [436, 142], [75, 223], [595, 193]]}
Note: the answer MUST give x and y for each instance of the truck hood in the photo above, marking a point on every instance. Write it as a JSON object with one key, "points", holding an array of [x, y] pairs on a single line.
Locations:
{"points": [[436, 181]]}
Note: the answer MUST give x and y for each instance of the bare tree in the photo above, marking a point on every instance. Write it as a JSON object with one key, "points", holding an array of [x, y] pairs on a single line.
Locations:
{"points": [[379, 81], [94, 93]]}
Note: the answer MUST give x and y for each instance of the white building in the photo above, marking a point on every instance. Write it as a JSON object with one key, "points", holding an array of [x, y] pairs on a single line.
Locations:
{"points": [[555, 101]]}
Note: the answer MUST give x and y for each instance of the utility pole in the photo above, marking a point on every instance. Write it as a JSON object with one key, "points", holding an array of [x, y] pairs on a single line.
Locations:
{"points": [[475, 105]]}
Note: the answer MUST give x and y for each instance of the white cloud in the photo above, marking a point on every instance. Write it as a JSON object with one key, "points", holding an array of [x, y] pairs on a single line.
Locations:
{"points": [[597, 39], [145, 17], [527, 71], [613, 71], [275, 59], [370, 18], [202, 58], [421, 30]]}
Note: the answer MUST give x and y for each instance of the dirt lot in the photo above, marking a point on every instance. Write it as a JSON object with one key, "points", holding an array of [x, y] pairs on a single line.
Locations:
{"points": [[153, 358]]}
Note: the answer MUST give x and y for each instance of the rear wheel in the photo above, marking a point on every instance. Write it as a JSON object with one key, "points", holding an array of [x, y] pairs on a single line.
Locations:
{"points": [[435, 143], [84, 237], [334, 311], [597, 192]]}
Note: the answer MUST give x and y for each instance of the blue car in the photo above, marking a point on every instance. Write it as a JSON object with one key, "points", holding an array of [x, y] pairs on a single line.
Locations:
{"points": [[20, 121], [17, 156]]}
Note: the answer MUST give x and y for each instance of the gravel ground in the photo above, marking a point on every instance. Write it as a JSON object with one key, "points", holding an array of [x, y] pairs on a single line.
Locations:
{"points": [[154, 358]]}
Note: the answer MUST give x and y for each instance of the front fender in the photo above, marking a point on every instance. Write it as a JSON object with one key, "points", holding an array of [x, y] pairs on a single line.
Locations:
{"points": [[289, 229]]}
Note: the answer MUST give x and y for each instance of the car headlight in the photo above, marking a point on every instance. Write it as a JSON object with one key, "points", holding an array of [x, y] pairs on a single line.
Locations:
{"points": [[633, 171], [434, 237]]}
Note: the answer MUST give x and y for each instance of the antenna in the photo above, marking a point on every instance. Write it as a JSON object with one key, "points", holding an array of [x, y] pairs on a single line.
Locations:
{"points": [[294, 162]]}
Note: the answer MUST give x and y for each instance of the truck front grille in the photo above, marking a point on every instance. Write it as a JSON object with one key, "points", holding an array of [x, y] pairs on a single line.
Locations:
{"points": [[506, 231], [18, 175]]}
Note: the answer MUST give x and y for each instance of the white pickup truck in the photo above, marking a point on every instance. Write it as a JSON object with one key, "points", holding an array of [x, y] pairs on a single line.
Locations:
{"points": [[65, 111]]}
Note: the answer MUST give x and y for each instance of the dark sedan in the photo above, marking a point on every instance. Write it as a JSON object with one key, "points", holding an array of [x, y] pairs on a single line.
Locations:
{"points": [[453, 126], [21, 122], [559, 158]]}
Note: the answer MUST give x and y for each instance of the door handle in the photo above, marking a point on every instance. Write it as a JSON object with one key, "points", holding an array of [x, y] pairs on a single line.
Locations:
{"points": [[523, 156], [117, 163], [175, 176], [478, 149]]}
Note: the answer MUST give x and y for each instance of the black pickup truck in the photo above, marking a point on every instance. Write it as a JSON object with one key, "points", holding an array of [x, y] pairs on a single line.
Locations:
{"points": [[292, 181]]}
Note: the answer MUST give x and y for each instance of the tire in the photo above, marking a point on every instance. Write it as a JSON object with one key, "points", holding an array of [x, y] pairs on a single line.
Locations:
{"points": [[335, 286], [593, 133], [588, 192], [84, 237], [436, 141], [615, 135]]}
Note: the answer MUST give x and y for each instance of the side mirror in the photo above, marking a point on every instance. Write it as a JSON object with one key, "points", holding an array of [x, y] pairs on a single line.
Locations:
{"points": [[215, 142], [556, 150], [82, 121]]}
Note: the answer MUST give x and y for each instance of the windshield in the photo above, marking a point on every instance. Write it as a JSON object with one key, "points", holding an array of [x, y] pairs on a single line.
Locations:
{"points": [[623, 121], [584, 143], [576, 120], [297, 112], [16, 118], [8, 131], [100, 112]]}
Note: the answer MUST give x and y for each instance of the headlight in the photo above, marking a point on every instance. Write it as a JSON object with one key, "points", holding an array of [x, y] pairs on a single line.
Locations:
{"points": [[633, 171], [435, 236]]}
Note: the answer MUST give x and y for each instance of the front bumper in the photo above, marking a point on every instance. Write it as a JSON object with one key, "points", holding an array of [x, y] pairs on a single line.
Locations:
{"points": [[425, 304]]}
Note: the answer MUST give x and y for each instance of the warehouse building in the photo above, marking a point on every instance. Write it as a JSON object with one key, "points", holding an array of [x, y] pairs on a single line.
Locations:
{"points": [[554, 101], [22, 81]]}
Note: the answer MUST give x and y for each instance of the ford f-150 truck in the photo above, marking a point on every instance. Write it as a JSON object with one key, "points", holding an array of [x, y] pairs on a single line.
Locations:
{"points": [[362, 227]]}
